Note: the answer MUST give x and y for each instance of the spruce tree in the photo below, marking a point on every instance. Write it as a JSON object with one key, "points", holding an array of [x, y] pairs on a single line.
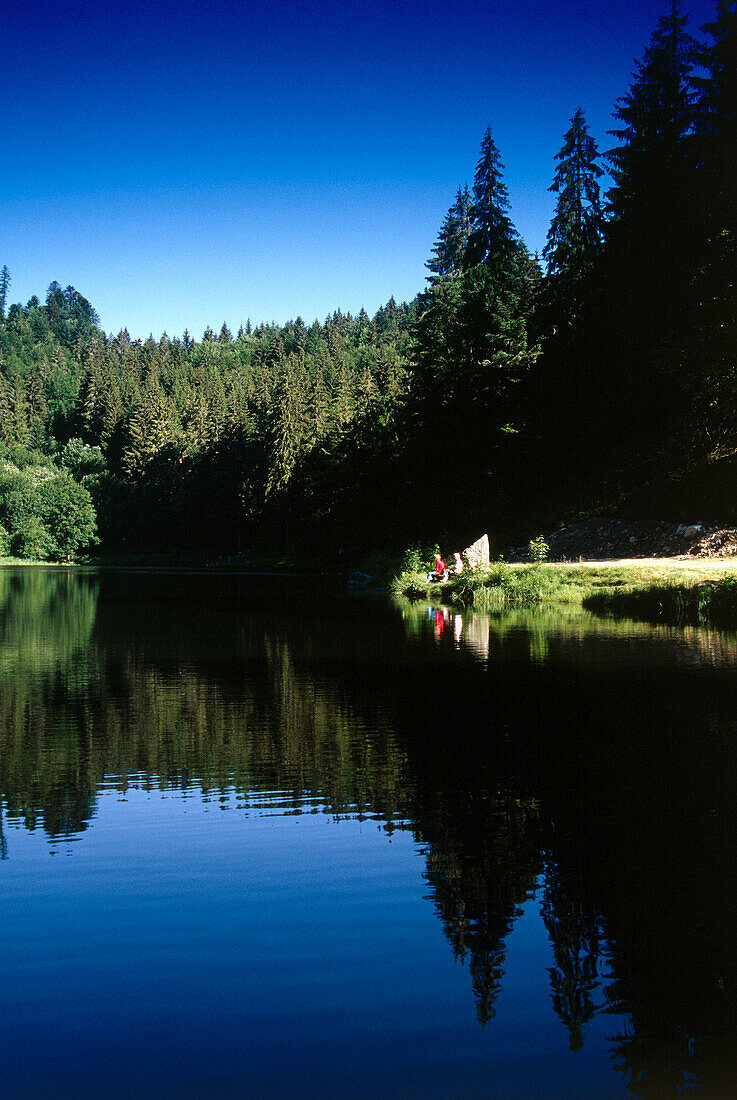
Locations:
{"points": [[717, 116], [492, 232], [716, 138], [4, 286], [289, 427], [714, 307], [658, 117], [576, 230], [632, 389], [450, 248]]}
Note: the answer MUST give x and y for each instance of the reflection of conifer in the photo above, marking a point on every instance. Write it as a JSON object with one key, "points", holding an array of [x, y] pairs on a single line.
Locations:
{"points": [[481, 869], [118, 714], [574, 934]]}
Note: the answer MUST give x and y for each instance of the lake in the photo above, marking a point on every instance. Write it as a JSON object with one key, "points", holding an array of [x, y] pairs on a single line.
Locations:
{"points": [[262, 838]]}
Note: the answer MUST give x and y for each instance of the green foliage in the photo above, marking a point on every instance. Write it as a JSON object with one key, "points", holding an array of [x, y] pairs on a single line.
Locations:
{"points": [[4, 285], [493, 386], [539, 549], [418, 558], [31, 539], [411, 578], [67, 511], [449, 252], [81, 460], [494, 587], [492, 234], [658, 115], [576, 231], [45, 514], [70, 315], [711, 603]]}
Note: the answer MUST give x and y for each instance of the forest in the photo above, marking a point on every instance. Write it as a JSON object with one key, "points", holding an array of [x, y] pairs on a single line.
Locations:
{"points": [[514, 392]]}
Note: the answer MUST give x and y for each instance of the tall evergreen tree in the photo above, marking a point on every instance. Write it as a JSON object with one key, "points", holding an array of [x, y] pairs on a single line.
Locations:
{"points": [[4, 285], [717, 89], [289, 426], [631, 346], [450, 248], [717, 124], [576, 230], [492, 232], [714, 310], [658, 117]]}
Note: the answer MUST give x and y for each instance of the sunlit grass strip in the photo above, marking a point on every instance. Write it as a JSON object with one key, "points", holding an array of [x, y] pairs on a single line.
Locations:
{"points": [[494, 587], [666, 592]]}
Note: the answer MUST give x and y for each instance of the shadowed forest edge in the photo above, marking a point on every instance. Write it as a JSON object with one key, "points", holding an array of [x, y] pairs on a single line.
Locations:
{"points": [[511, 395]]}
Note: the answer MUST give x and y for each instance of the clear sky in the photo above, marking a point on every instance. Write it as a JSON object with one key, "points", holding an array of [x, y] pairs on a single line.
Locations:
{"points": [[185, 164]]}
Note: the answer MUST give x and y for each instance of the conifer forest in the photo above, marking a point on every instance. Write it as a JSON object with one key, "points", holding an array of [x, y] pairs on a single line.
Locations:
{"points": [[513, 391]]}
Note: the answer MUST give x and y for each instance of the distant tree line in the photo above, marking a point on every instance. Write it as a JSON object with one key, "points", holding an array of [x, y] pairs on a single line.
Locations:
{"points": [[510, 383], [221, 444]]}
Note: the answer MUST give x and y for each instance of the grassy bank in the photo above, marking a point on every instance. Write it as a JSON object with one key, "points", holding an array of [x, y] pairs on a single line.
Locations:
{"points": [[702, 602], [669, 590]]}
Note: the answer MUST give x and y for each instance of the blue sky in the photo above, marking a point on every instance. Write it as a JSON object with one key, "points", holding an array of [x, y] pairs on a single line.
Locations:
{"points": [[189, 164]]}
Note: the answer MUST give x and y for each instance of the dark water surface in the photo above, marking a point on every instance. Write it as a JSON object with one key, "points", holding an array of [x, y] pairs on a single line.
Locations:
{"points": [[265, 840]]}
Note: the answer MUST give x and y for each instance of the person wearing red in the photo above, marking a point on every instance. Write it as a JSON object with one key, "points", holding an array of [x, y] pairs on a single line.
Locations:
{"points": [[440, 572]]}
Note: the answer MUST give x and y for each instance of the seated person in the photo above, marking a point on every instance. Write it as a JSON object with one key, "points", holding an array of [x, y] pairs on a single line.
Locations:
{"points": [[440, 573], [457, 563]]}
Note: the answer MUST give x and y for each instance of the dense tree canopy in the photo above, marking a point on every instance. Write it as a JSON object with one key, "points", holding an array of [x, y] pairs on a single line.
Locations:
{"points": [[496, 390]]}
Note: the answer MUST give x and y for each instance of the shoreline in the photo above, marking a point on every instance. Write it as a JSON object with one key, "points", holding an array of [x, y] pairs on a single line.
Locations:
{"points": [[677, 590]]}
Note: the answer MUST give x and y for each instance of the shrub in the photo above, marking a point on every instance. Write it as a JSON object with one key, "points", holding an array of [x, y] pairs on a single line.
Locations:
{"points": [[539, 550], [32, 541], [44, 512], [82, 460], [68, 512]]}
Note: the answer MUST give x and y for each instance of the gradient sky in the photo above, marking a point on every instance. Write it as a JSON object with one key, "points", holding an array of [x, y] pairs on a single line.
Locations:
{"points": [[189, 164]]}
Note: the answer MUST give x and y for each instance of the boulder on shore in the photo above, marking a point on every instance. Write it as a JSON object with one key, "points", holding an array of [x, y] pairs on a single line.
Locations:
{"points": [[477, 555]]}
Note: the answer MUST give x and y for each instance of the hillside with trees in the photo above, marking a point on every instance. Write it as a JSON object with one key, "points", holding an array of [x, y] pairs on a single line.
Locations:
{"points": [[512, 392]]}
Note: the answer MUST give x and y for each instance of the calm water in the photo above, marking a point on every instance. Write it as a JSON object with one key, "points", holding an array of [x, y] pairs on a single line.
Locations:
{"points": [[258, 842]]}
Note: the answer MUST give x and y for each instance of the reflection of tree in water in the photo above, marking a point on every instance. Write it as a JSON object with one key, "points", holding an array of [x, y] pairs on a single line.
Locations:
{"points": [[245, 699], [673, 930], [638, 773], [575, 934], [46, 620], [481, 868], [634, 767], [643, 801], [157, 698]]}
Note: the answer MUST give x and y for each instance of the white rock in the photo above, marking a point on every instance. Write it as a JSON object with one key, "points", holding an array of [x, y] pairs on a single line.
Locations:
{"points": [[477, 554]]}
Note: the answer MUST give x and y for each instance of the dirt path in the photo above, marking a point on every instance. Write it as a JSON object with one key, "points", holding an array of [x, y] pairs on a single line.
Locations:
{"points": [[703, 565]]}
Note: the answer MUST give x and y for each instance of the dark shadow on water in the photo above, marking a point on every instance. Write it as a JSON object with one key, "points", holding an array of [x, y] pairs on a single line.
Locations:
{"points": [[599, 761]]}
